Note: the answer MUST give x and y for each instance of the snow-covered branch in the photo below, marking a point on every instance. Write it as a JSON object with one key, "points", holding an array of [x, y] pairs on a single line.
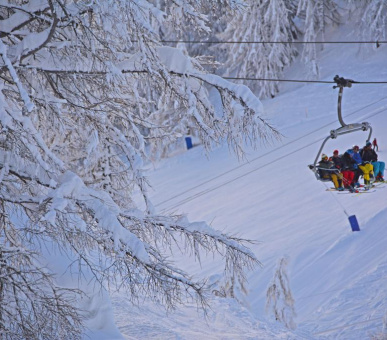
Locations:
{"points": [[374, 22], [87, 97], [265, 21], [32, 305]]}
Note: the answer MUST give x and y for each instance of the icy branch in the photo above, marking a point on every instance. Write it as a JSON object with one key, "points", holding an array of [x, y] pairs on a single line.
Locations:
{"points": [[23, 93]]}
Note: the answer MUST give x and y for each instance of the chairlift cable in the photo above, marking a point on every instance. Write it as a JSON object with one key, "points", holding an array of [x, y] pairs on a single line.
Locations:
{"points": [[264, 155], [301, 81], [284, 80], [269, 42], [369, 82], [203, 192]]}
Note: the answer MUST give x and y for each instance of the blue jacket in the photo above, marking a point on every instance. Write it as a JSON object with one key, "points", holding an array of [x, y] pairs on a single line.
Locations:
{"points": [[357, 158]]}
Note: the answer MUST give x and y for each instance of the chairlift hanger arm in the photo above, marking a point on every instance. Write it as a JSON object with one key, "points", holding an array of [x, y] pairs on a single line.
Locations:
{"points": [[345, 128], [341, 83]]}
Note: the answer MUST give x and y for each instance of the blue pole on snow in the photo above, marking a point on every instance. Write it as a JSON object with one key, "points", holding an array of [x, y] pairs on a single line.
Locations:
{"points": [[188, 141], [353, 221]]}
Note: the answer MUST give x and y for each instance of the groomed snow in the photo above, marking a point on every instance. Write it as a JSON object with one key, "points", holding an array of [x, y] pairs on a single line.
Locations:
{"points": [[337, 277]]}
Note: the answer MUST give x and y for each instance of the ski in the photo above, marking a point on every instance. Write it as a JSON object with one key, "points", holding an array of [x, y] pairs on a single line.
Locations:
{"points": [[380, 181], [378, 184], [357, 193], [345, 191], [365, 192], [350, 192], [360, 189]]}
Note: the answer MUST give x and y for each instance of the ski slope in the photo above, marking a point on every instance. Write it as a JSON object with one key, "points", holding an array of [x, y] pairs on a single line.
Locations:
{"points": [[338, 278]]}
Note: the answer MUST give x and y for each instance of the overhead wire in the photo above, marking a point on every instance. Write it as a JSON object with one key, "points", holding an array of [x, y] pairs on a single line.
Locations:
{"points": [[261, 156], [376, 42], [303, 81], [212, 189], [269, 152], [281, 42], [203, 192], [279, 80], [267, 79]]}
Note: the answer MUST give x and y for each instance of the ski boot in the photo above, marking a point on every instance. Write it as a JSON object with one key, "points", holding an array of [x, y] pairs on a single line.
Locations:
{"points": [[367, 184], [352, 189]]}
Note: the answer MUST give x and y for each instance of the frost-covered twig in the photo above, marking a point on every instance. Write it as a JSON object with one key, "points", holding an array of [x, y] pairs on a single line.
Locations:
{"points": [[87, 98], [279, 296]]}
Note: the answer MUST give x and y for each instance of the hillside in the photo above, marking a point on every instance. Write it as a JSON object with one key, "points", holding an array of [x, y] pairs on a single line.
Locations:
{"points": [[337, 277]]}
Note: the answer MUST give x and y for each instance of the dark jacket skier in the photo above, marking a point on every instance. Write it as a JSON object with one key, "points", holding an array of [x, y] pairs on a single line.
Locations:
{"points": [[350, 164], [327, 170], [369, 155], [348, 175], [336, 159]]}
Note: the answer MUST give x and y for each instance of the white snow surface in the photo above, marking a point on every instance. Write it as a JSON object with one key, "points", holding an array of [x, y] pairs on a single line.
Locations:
{"points": [[337, 277]]}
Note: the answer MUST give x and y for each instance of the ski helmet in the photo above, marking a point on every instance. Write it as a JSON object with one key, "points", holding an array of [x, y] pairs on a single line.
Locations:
{"points": [[323, 156], [335, 151], [355, 147]]}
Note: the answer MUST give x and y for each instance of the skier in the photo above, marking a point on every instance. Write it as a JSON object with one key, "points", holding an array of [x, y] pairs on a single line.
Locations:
{"points": [[375, 144], [365, 167], [349, 164], [369, 155], [348, 175], [327, 170]]}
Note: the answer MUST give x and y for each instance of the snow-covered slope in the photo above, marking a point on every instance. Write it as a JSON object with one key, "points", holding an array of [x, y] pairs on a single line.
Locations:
{"points": [[337, 277]]}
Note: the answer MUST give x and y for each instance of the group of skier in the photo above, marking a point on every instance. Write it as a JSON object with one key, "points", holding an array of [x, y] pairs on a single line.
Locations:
{"points": [[345, 170]]}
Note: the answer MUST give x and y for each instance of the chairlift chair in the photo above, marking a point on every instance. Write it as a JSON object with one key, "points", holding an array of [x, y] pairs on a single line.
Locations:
{"points": [[344, 129]]}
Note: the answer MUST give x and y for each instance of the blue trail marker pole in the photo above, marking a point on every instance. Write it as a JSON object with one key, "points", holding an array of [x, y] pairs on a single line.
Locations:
{"points": [[353, 221], [188, 141]]}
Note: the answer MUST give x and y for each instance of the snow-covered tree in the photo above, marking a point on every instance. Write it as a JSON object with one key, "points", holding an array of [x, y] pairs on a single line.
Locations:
{"points": [[374, 20], [82, 88], [262, 21], [279, 296], [229, 287], [316, 14], [32, 305]]}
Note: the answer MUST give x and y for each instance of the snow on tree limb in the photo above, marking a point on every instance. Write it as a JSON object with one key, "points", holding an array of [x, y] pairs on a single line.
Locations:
{"points": [[373, 21], [32, 305], [87, 97], [265, 21], [23, 93], [279, 297]]}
